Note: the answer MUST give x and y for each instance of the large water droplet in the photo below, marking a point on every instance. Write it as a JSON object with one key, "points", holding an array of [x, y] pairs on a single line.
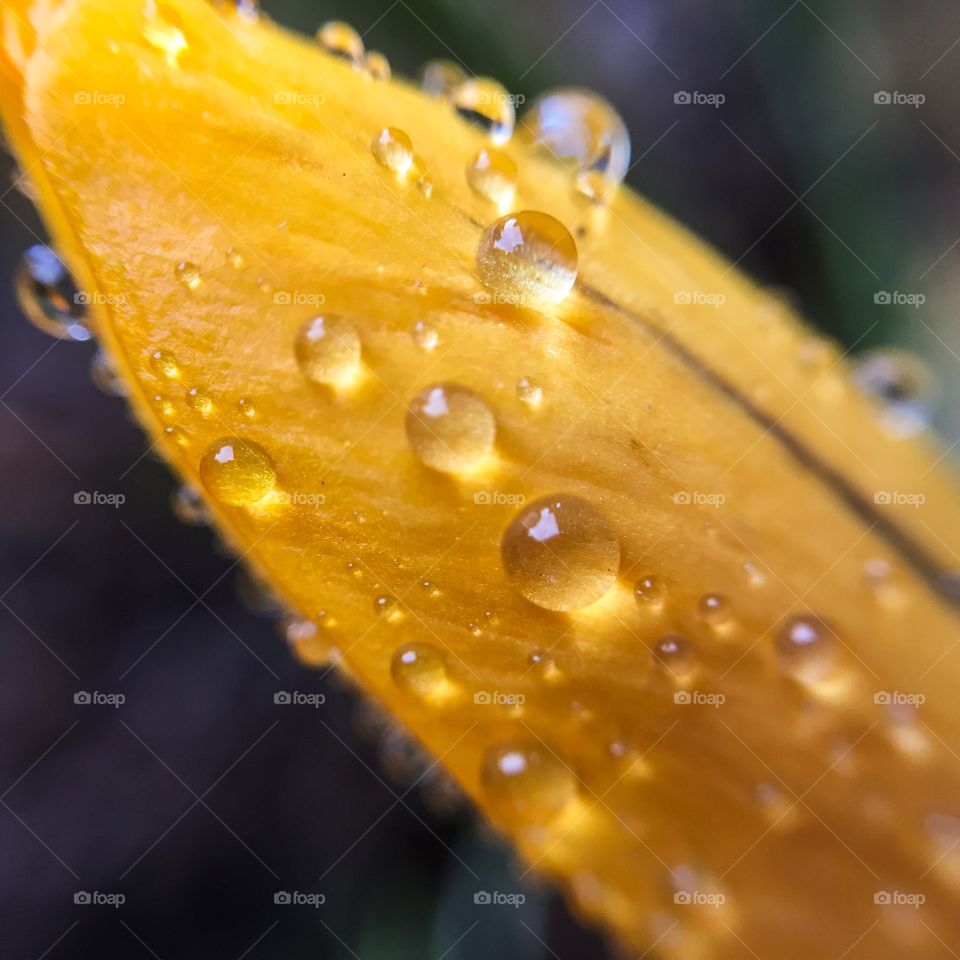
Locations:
{"points": [[440, 77], [560, 553], [807, 648], [47, 296], [450, 428], [493, 175], [237, 472], [340, 40], [902, 386], [377, 66], [582, 129], [486, 104], [309, 642], [525, 780], [327, 349], [188, 274], [419, 669], [528, 258], [393, 149]]}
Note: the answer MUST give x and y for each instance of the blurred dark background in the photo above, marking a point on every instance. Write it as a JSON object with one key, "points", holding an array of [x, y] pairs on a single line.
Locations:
{"points": [[199, 798]]}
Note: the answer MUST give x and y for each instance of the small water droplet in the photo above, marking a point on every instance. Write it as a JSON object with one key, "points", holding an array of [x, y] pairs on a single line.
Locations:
{"points": [[309, 642], [177, 436], [328, 350], [806, 647], [675, 656], [450, 428], [486, 104], [560, 553], [424, 336], [165, 364], [237, 472], [164, 406], [199, 399], [754, 575], [340, 40], [425, 187], [24, 185], [188, 506], [388, 607], [393, 149], [493, 175], [188, 274], [650, 592], [419, 669], [164, 36], [529, 392], [528, 258], [246, 408], [105, 376], [583, 130], [902, 387], [235, 259], [377, 66], [440, 78], [714, 609], [48, 297], [525, 780]]}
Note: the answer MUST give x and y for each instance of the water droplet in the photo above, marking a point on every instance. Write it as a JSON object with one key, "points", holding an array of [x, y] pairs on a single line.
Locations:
{"points": [[105, 376], [441, 77], [388, 607], [199, 399], [675, 656], [529, 392], [901, 385], [309, 643], [425, 186], [714, 609], [166, 37], [237, 472], [340, 40], [165, 364], [560, 553], [493, 175], [528, 258], [24, 185], [486, 104], [419, 669], [650, 592], [188, 274], [235, 259], [424, 336], [525, 780], [806, 647], [164, 406], [583, 130], [328, 350], [754, 575], [246, 408], [377, 66], [450, 428], [47, 296], [188, 506], [176, 435], [393, 149]]}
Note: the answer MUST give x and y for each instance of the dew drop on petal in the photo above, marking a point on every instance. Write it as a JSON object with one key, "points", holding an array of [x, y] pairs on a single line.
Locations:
{"points": [[105, 377], [340, 40], [377, 66], [493, 175], [188, 506], [393, 149], [48, 297], [419, 669], [237, 472], [529, 392], [560, 553], [714, 609], [246, 408], [901, 386], [675, 656], [440, 78], [424, 336], [188, 274], [650, 592], [806, 648], [165, 364], [199, 399], [328, 350], [525, 780], [486, 104], [450, 428], [528, 258]]}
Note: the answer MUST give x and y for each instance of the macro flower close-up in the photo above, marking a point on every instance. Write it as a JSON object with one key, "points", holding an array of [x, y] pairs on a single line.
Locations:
{"points": [[480, 478]]}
